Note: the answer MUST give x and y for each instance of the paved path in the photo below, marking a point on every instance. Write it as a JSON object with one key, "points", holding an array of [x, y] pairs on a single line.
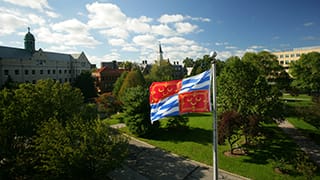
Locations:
{"points": [[149, 162], [308, 146]]}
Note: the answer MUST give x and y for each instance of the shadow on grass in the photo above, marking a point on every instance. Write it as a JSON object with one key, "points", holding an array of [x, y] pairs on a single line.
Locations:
{"points": [[197, 135], [276, 145]]}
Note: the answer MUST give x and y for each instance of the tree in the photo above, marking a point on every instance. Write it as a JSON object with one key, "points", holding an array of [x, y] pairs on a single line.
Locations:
{"points": [[108, 103], [228, 128], [162, 72], [243, 89], [85, 82], [306, 73], [78, 150], [35, 117], [137, 111], [133, 79], [269, 67], [201, 65], [117, 85], [188, 62]]}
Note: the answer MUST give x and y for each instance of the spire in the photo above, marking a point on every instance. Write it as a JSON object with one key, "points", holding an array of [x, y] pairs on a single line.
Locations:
{"points": [[160, 53]]}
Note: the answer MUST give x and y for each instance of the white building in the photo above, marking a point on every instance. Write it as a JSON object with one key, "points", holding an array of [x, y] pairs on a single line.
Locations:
{"points": [[30, 65]]}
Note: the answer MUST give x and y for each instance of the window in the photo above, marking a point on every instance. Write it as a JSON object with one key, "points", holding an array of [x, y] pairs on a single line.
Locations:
{"points": [[48, 71], [287, 55], [34, 81], [6, 72], [65, 71], [41, 71], [287, 62], [281, 62], [298, 55], [281, 56], [69, 71], [26, 72], [16, 72], [291, 55], [54, 71], [66, 80], [33, 71], [60, 71]]}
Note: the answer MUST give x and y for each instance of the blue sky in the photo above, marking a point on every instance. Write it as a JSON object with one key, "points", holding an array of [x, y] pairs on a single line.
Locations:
{"points": [[130, 30]]}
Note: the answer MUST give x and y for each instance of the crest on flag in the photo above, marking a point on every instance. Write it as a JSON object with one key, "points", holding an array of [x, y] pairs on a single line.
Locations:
{"points": [[177, 97]]}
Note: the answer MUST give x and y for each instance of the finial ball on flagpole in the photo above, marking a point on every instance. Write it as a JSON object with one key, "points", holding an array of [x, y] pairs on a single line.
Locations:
{"points": [[213, 54]]}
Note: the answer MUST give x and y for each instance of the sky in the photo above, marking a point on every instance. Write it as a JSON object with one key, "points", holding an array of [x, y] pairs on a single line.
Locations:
{"points": [[131, 30]]}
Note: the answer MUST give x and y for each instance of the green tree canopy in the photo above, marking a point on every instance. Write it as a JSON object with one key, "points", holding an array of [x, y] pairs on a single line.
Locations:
{"points": [[133, 79], [162, 72], [242, 88], [269, 67], [201, 65], [85, 82], [117, 85], [306, 73], [137, 110], [188, 62], [47, 132]]}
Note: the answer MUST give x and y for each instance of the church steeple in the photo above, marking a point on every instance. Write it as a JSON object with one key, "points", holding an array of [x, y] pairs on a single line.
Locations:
{"points": [[160, 53], [29, 42]]}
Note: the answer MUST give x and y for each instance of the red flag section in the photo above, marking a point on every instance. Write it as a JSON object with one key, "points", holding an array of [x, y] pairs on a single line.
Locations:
{"points": [[194, 101], [161, 90]]}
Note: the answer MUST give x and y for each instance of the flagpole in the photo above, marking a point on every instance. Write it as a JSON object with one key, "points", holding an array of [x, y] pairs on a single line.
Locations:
{"points": [[214, 118]]}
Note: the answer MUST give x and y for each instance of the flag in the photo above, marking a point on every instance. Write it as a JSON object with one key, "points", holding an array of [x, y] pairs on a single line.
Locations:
{"points": [[177, 97]]}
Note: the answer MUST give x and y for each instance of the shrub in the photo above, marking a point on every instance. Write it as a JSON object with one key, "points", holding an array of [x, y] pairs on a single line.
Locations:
{"points": [[80, 150]]}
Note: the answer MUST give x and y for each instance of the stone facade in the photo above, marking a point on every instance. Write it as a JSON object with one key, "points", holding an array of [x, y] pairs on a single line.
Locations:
{"points": [[30, 65]]}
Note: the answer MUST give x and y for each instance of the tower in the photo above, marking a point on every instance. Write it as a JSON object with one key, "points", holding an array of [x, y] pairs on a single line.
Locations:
{"points": [[29, 42], [160, 53]]}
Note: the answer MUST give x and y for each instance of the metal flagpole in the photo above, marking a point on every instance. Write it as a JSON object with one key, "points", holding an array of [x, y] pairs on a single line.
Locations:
{"points": [[214, 117]]}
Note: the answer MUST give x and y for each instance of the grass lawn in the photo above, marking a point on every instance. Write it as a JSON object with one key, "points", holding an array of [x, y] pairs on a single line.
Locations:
{"points": [[300, 121], [196, 143]]}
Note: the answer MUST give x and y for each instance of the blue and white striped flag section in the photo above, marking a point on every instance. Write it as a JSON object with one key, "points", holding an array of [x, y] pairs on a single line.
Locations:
{"points": [[177, 97]]}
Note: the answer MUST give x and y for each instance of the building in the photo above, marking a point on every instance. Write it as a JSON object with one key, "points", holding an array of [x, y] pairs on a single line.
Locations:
{"points": [[30, 65], [106, 76], [286, 57]]}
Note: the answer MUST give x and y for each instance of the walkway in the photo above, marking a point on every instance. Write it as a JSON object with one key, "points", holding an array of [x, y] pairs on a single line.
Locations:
{"points": [[308, 146], [146, 162]]}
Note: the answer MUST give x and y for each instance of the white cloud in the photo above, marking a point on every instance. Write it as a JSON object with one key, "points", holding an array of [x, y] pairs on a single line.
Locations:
{"points": [[162, 29], [35, 19], [177, 41], [62, 48], [221, 43], [130, 48], [170, 18], [144, 40], [112, 56], [223, 55], [198, 19], [70, 26], [34, 4], [47, 36], [185, 27], [255, 47], [11, 22], [40, 5], [52, 14], [231, 47], [138, 25], [307, 24], [105, 15], [116, 42], [115, 32]]}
